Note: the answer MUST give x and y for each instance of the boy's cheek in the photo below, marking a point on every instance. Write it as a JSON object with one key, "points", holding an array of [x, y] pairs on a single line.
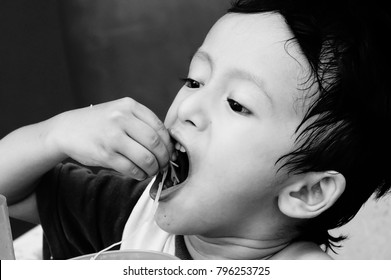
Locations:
{"points": [[171, 115], [170, 118]]}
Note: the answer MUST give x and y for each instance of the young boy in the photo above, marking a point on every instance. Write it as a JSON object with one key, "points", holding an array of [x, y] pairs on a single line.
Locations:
{"points": [[278, 132]]}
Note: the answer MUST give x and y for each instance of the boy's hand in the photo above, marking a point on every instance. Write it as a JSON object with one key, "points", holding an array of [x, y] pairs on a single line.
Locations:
{"points": [[123, 135]]}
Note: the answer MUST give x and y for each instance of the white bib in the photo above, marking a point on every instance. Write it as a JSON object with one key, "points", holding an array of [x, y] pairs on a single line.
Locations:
{"points": [[141, 231]]}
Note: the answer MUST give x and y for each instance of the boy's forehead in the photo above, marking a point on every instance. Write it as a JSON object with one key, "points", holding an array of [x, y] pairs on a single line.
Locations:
{"points": [[262, 45], [255, 39], [265, 28]]}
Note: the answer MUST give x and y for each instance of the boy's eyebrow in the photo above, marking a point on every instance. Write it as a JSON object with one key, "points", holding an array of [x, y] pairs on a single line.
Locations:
{"points": [[240, 73], [205, 56]]}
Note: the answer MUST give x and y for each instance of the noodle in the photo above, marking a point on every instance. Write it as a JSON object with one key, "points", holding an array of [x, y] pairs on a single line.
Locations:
{"points": [[174, 179]]}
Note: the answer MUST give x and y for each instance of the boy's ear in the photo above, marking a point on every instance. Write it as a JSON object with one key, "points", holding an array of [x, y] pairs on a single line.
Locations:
{"points": [[311, 194]]}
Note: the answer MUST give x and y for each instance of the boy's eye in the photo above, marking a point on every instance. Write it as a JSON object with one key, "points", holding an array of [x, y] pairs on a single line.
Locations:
{"points": [[190, 83], [236, 107]]}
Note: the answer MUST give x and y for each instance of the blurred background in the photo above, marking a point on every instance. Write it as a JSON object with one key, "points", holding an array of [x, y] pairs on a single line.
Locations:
{"points": [[63, 54]]}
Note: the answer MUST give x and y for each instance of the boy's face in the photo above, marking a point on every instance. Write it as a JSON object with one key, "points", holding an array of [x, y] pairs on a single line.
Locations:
{"points": [[236, 117]]}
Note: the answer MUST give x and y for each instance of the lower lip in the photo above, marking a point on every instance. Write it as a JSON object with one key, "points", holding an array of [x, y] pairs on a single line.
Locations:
{"points": [[166, 192]]}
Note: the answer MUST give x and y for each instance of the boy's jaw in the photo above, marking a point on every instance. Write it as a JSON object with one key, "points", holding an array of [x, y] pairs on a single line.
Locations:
{"points": [[181, 166]]}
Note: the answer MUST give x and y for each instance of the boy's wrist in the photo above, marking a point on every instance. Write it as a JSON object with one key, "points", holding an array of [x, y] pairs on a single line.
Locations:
{"points": [[52, 139]]}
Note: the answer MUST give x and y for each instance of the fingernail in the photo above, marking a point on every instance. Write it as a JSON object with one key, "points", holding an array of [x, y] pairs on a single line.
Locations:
{"points": [[143, 177]]}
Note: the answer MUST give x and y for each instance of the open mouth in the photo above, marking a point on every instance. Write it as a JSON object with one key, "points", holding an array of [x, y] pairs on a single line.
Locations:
{"points": [[176, 173]]}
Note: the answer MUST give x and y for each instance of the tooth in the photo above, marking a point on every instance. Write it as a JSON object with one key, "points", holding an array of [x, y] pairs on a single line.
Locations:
{"points": [[182, 149], [177, 146]]}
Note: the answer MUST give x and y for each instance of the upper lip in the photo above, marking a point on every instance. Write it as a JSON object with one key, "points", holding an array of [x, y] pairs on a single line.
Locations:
{"points": [[176, 135]]}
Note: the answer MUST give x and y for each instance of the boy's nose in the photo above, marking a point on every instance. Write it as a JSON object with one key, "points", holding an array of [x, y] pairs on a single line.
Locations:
{"points": [[194, 110]]}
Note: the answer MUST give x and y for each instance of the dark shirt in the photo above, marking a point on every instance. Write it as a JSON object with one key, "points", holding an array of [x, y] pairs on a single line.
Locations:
{"points": [[83, 212]]}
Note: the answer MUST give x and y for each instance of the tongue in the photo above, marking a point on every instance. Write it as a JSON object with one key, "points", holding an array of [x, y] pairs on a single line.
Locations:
{"points": [[168, 182], [177, 172]]}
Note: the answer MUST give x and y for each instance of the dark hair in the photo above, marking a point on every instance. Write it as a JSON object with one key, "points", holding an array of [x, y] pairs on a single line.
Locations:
{"points": [[345, 43]]}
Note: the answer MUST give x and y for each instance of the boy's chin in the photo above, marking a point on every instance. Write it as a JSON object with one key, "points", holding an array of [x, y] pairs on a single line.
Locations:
{"points": [[165, 222], [177, 225]]}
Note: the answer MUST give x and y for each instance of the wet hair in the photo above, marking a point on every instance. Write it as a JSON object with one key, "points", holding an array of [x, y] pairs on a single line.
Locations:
{"points": [[346, 128]]}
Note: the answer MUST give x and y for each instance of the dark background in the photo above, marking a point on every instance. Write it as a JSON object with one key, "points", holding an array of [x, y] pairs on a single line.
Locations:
{"points": [[64, 54]]}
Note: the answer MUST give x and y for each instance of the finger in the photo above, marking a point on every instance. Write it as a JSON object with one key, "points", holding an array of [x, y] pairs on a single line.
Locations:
{"points": [[126, 167], [138, 154], [149, 139], [144, 114]]}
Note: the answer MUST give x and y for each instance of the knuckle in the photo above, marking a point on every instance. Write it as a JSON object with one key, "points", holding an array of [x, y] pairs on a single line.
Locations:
{"points": [[112, 135], [129, 102], [116, 116], [160, 125], [151, 165], [137, 174], [149, 160], [121, 108], [105, 156], [154, 141], [114, 119], [134, 170], [112, 141]]}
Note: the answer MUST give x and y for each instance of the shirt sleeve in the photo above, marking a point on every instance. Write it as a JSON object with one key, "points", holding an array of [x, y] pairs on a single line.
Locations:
{"points": [[83, 212]]}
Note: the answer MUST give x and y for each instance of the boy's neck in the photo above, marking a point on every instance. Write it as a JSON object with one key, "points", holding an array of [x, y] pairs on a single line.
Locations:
{"points": [[201, 247]]}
